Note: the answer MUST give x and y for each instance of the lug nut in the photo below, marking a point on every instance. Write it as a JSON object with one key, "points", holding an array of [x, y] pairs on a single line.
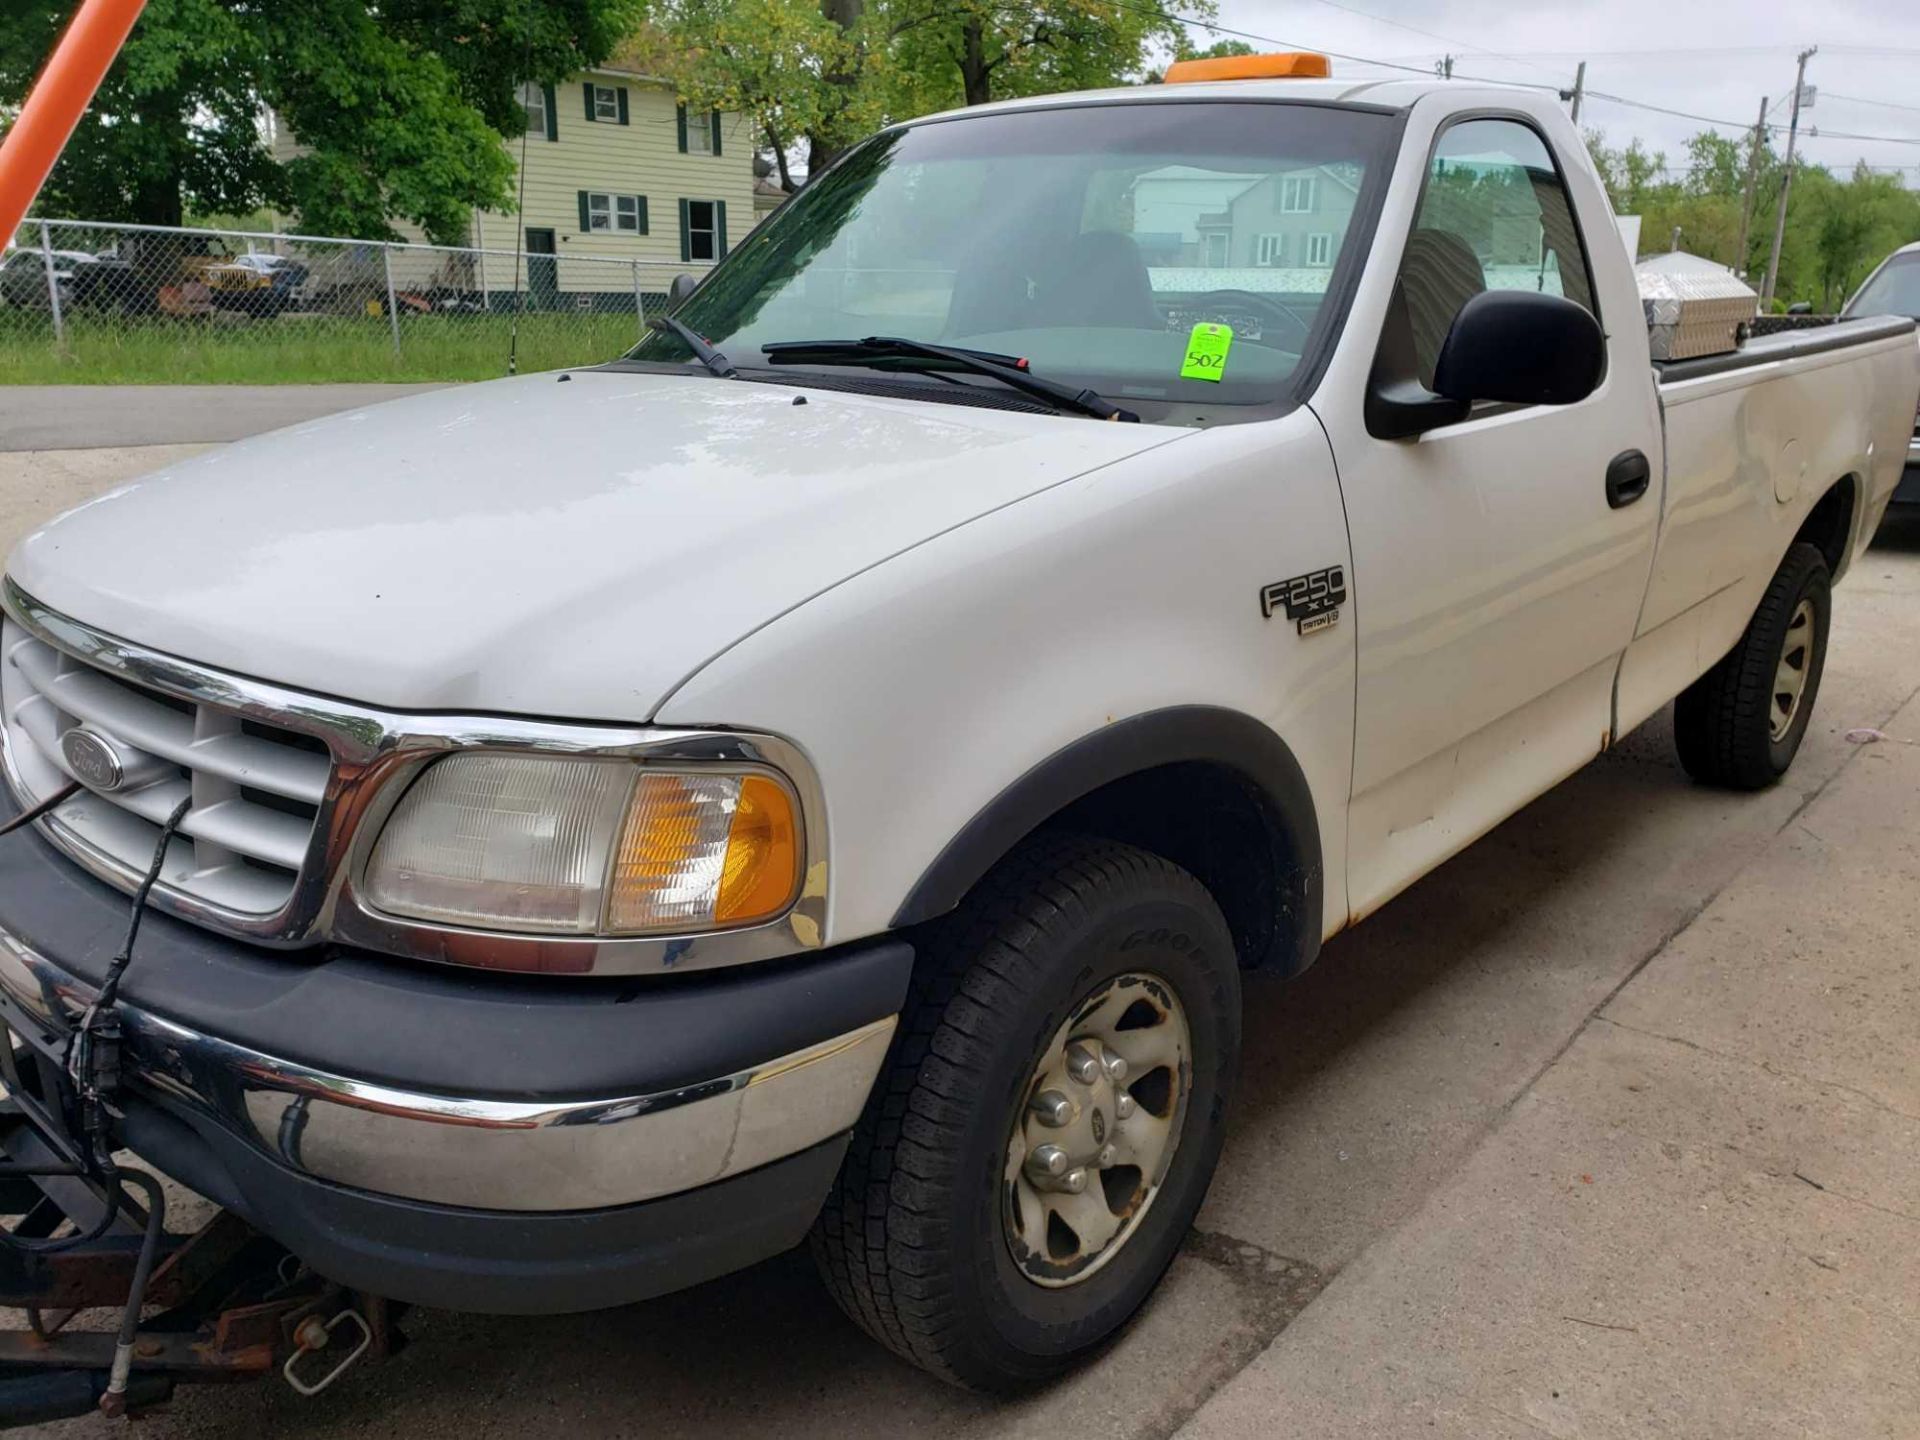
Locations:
{"points": [[1082, 1064], [1048, 1162], [1123, 1105], [1052, 1109], [1116, 1067], [1106, 1157], [1074, 1181]]}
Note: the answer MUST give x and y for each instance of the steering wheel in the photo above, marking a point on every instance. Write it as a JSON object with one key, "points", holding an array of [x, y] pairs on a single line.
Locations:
{"points": [[1254, 300]]}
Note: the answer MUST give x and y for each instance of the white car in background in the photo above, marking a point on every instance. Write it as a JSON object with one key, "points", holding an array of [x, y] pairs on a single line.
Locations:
{"points": [[1894, 289]]}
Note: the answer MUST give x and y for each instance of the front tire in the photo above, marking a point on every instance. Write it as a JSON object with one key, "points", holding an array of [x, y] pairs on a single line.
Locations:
{"points": [[1740, 724], [954, 1235]]}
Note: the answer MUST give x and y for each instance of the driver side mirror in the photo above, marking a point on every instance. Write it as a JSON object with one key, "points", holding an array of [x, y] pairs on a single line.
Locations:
{"points": [[1513, 347], [681, 287]]}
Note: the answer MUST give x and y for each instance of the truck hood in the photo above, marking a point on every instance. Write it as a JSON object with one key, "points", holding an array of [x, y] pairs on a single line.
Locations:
{"points": [[570, 550]]}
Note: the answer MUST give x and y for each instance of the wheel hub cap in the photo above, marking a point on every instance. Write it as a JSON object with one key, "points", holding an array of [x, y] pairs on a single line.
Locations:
{"points": [[1790, 675], [1101, 1117]]}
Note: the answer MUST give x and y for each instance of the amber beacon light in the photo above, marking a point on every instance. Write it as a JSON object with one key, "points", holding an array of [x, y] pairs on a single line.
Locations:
{"points": [[1285, 65]]}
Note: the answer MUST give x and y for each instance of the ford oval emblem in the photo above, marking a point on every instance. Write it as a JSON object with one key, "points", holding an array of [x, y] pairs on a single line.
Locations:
{"points": [[93, 759]]}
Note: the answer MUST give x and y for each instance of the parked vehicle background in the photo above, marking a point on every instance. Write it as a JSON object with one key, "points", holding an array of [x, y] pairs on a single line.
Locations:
{"points": [[85, 281], [257, 307], [1894, 289]]}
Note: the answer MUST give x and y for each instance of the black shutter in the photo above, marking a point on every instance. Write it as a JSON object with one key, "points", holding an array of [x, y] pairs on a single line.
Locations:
{"points": [[719, 229], [589, 89], [686, 237], [683, 133], [641, 202], [586, 215], [553, 112], [716, 131], [622, 93]]}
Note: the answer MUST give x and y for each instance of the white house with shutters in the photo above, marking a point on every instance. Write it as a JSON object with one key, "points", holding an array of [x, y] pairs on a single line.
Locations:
{"points": [[1189, 217], [616, 168]]}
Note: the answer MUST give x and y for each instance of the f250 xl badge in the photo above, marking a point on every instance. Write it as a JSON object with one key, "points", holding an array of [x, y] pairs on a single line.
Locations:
{"points": [[1312, 601]]}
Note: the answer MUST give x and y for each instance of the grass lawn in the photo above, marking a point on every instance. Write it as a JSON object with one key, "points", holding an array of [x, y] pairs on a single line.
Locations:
{"points": [[298, 349]]}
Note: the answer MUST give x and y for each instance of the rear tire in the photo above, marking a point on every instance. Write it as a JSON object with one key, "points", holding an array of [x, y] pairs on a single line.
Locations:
{"points": [[1740, 724], [918, 1239]]}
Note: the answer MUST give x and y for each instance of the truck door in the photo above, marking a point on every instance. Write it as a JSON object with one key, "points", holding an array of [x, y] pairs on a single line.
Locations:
{"points": [[1497, 568]]}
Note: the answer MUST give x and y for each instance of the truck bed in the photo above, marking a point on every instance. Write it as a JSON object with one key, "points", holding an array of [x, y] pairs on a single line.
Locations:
{"points": [[1785, 345]]}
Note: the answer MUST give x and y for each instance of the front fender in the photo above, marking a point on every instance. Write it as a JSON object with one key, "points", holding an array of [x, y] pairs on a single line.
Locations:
{"points": [[959, 694]]}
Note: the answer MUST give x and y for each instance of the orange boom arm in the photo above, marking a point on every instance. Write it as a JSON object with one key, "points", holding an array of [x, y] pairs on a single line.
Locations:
{"points": [[58, 99]]}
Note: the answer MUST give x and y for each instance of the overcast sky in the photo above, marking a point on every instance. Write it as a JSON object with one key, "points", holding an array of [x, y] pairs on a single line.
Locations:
{"points": [[1714, 58]]}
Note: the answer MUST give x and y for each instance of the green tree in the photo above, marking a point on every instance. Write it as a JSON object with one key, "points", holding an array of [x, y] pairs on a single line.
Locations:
{"points": [[1856, 223], [794, 70], [401, 105], [967, 52], [1630, 175], [1185, 49]]}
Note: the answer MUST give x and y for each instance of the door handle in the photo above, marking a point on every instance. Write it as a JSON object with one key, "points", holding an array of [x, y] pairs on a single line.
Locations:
{"points": [[1628, 477]]}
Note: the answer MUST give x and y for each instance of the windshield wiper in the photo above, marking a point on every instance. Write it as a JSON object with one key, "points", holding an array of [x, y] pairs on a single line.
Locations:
{"points": [[702, 351], [1009, 370]]}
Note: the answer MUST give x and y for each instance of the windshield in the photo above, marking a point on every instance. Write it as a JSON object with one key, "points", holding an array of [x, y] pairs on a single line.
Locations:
{"points": [[1894, 291], [1089, 240]]}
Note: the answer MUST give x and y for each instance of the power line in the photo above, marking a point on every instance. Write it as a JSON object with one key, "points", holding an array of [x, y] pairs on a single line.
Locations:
{"points": [[1683, 51], [1430, 34], [1776, 129], [1423, 71], [1862, 100]]}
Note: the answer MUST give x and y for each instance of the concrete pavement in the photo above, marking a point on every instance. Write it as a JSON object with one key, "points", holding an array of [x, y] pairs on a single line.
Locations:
{"points": [[37, 485], [1700, 1219], [1449, 1193], [87, 417]]}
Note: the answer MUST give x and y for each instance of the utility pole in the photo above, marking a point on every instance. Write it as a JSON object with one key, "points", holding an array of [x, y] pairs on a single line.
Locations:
{"points": [[1575, 94], [1753, 175], [1786, 181], [1444, 69]]}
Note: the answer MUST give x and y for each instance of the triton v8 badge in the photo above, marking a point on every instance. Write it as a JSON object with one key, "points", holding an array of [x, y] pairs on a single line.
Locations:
{"points": [[1312, 601]]}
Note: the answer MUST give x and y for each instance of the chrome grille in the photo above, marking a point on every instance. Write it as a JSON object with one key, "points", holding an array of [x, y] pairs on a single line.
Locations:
{"points": [[289, 788], [256, 788]]}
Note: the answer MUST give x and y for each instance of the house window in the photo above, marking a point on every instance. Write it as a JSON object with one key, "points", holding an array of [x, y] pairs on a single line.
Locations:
{"points": [[699, 132], [703, 231], [1296, 194], [1272, 250], [533, 99], [606, 103], [619, 213], [1320, 249]]}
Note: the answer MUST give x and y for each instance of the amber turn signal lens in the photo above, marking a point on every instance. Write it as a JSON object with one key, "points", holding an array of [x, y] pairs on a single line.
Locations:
{"points": [[700, 851], [762, 869]]}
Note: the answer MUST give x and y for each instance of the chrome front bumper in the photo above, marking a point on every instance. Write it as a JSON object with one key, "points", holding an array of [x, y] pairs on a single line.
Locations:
{"points": [[486, 1154]]}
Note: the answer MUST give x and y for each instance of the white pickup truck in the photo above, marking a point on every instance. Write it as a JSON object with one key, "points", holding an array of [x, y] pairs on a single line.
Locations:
{"points": [[825, 772]]}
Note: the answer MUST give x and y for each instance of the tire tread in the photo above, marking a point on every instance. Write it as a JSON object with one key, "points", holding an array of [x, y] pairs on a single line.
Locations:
{"points": [[1720, 722], [881, 1240]]}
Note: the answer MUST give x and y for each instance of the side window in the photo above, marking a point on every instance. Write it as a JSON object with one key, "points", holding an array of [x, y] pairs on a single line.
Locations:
{"points": [[1494, 216]]}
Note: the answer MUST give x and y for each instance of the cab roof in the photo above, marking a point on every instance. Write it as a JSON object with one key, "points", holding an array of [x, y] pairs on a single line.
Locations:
{"points": [[1335, 89]]}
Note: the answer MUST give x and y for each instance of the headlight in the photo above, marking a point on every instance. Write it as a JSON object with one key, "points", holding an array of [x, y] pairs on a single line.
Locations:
{"points": [[560, 845]]}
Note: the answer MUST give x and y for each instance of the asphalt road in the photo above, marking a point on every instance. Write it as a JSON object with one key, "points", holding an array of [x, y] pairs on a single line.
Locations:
{"points": [[89, 417], [1611, 1126]]}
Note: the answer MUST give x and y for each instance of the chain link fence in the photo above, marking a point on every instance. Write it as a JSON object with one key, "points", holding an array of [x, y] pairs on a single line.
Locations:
{"points": [[135, 303]]}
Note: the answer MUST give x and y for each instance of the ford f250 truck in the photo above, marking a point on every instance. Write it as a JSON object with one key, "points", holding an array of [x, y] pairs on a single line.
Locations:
{"points": [[825, 773]]}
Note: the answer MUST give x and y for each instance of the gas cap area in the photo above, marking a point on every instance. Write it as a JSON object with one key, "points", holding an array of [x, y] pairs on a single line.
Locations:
{"points": [[1790, 475]]}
